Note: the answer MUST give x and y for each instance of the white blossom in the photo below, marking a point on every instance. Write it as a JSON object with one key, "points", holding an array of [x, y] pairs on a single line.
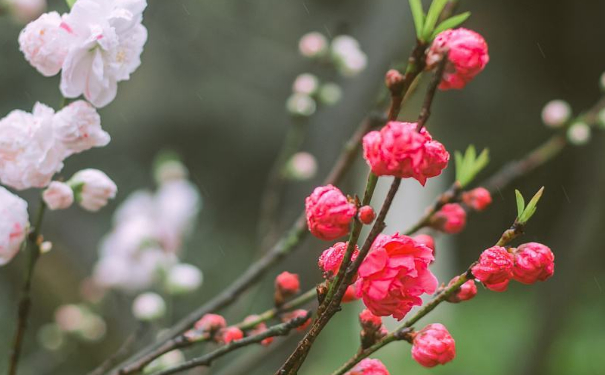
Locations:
{"points": [[58, 196], [94, 189], [148, 306], [183, 278], [13, 224], [78, 127]]}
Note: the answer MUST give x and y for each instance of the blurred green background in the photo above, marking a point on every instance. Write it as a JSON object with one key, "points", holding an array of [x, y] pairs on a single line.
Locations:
{"points": [[212, 86]]}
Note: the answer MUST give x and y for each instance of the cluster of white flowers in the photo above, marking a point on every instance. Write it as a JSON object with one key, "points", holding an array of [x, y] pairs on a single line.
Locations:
{"points": [[149, 230], [75, 321], [94, 46], [34, 145]]}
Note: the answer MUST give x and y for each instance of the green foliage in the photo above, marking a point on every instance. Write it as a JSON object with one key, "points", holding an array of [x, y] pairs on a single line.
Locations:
{"points": [[418, 15], [469, 164], [432, 17], [450, 23], [70, 3], [425, 23], [524, 213]]}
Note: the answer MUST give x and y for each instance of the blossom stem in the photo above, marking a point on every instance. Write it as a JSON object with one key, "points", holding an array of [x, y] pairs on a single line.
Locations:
{"points": [[282, 329], [33, 248]]}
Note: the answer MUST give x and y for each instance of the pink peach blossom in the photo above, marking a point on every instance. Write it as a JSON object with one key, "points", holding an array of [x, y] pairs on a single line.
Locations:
{"points": [[331, 258], [369, 367], [533, 262], [329, 213], [495, 268], [478, 199], [433, 346], [467, 291], [451, 218]]}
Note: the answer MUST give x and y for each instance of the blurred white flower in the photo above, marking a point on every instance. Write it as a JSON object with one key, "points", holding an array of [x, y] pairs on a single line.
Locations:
{"points": [[183, 278], [305, 83], [58, 196], [78, 127], [69, 318], [13, 224], [302, 166], [579, 133], [313, 44], [347, 54], [170, 359], [301, 105], [556, 113], [330, 93], [177, 203], [148, 306], [29, 153], [93, 189], [26, 10]]}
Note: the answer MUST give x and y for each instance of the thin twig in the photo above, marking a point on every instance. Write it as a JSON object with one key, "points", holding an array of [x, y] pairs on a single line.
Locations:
{"points": [[33, 247], [282, 329], [125, 349]]}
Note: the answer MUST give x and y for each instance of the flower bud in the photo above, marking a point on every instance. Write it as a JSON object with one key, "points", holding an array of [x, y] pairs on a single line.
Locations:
{"points": [[330, 93], [372, 329], [451, 218], [578, 133], [13, 224], [348, 56], [329, 213], [46, 247], [556, 113], [148, 307], [183, 278], [229, 334], [306, 83], [297, 314], [494, 269], [286, 285], [366, 215], [168, 360], [58, 196], [258, 329], [533, 262], [433, 346], [467, 291], [210, 323], [93, 189], [369, 367], [478, 199], [394, 80], [302, 166], [331, 258], [313, 44], [301, 105]]}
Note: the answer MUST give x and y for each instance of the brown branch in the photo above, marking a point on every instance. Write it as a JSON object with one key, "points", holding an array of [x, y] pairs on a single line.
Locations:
{"points": [[33, 246], [282, 329]]}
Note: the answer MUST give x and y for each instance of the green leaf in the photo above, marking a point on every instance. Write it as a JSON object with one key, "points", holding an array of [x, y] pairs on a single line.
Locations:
{"points": [[418, 15], [532, 206], [432, 17], [469, 165], [459, 164], [450, 23], [70, 3], [520, 203]]}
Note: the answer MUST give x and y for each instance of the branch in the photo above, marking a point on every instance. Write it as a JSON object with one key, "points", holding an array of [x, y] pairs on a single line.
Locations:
{"points": [[206, 360], [122, 352], [33, 246]]}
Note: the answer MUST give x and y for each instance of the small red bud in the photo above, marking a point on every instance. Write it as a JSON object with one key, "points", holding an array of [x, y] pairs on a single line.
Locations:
{"points": [[229, 334], [394, 80], [366, 215], [286, 285]]}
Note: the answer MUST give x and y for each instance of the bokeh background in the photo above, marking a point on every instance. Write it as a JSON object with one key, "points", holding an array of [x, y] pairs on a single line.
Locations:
{"points": [[213, 85]]}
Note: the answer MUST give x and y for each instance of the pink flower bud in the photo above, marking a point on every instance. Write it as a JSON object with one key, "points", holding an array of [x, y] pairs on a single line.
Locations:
{"points": [[467, 56], [451, 218], [286, 285], [366, 318], [331, 258], [533, 262], [329, 213], [297, 314], [302, 166], [210, 323], [366, 215], [433, 346], [495, 268], [369, 367], [394, 80], [467, 291], [313, 44], [258, 329], [478, 199], [229, 334], [400, 150], [58, 196], [556, 113]]}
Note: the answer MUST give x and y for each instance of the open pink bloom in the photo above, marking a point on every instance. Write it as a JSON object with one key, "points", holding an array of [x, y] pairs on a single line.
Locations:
{"points": [[229, 334], [533, 262], [331, 258], [13, 224], [329, 213], [401, 151], [433, 346], [211, 323], [369, 367], [478, 199], [394, 275], [451, 218], [258, 329], [495, 268], [467, 291], [467, 56], [78, 127]]}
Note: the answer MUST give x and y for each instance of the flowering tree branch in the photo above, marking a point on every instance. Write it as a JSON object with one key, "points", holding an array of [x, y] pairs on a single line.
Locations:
{"points": [[34, 241], [278, 330]]}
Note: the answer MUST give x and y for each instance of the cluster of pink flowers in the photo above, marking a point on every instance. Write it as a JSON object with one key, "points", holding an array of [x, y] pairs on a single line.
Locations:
{"points": [[466, 53], [96, 45], [394, 275], [400, 150], [329, 213], [527, 264]]}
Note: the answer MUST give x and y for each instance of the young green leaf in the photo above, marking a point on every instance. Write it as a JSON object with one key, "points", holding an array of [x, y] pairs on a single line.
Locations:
{"points": [[70, 3], [532, 206], [418, 15], [431, 18], [459, 165], [520, 203], [450, 23]]}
